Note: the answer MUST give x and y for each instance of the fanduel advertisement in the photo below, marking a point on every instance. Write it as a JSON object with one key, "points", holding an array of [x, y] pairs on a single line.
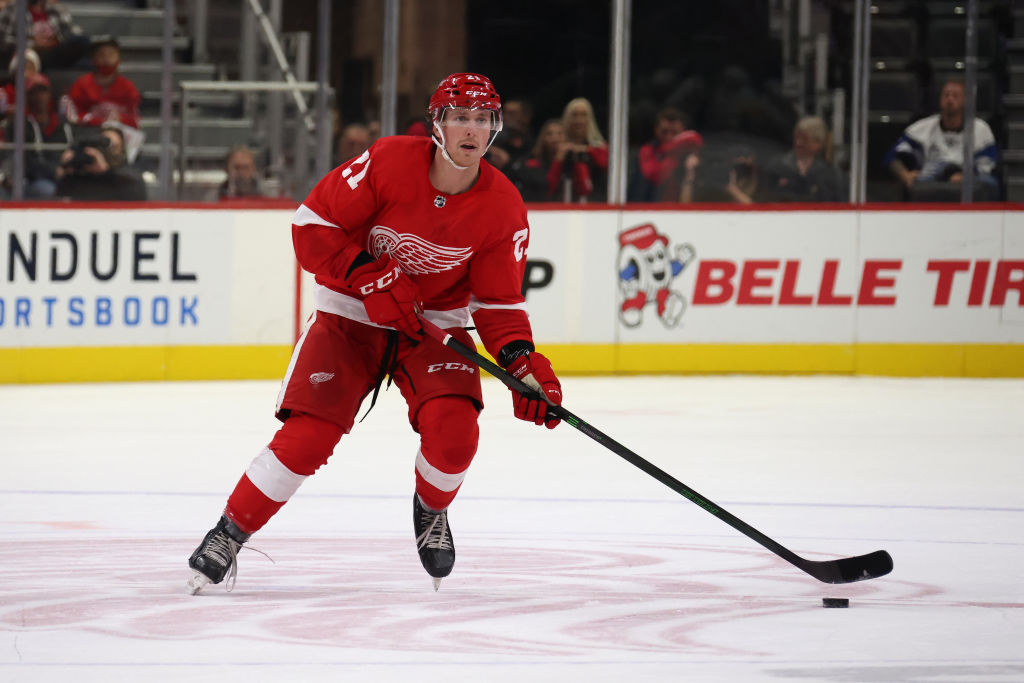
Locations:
{"points": [[137, 277]]}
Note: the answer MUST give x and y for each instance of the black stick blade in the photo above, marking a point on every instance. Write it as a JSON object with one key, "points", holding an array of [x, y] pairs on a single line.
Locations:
{"points": [[851, 569]]}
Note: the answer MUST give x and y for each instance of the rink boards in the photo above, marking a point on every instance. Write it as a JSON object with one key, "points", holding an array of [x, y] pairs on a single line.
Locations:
{"points": [[200, 292]]}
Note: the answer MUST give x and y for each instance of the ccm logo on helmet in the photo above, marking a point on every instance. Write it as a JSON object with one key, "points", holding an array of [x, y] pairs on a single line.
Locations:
{"points": [[438, 367]]}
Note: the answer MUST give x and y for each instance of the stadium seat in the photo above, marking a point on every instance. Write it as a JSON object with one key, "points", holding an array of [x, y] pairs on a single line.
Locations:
{"points": [[894, 43], [897, 93], [947, 43]]}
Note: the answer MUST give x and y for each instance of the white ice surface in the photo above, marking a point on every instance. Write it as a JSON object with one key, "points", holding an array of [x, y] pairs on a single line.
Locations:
{"points": [[572, 563]]}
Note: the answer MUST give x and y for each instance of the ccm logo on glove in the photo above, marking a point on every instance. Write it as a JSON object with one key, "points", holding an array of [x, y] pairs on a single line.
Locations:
{"points": [[381, 283], [390, 297], [534, 370]]}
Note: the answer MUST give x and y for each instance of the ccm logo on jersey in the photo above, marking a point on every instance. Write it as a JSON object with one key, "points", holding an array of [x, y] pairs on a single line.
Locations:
{"points": [[383, 282], [438, 367]]}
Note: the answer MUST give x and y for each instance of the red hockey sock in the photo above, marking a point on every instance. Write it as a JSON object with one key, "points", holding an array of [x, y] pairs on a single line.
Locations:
{"points": [[299, 448], [448, 441], [249, 508]]}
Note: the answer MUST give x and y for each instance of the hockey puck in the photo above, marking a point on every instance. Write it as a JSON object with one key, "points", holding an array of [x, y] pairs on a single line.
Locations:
{"points": [[835, 602]]}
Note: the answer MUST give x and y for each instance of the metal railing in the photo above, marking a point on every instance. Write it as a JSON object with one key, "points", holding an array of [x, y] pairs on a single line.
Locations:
{"points": [[302, 145]]}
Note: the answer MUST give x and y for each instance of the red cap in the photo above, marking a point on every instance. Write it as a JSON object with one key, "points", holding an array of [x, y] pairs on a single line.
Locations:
{"points": [[641, 236]]}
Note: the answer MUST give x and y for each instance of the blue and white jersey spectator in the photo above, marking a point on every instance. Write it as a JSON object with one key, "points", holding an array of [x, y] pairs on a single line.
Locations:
{"points": [[932, 149], [936, 151]]}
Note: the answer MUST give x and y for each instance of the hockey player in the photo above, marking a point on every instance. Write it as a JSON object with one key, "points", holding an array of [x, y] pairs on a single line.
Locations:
{"points": [[412, 226]]}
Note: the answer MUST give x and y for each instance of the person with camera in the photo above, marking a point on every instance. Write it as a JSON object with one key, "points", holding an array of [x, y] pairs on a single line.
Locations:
{"points": [[96, 169], [726, 174], [580, 170]]}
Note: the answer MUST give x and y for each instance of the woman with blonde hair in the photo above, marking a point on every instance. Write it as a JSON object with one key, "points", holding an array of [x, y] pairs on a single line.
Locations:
{"points": [[582, 160], [580, 124]]}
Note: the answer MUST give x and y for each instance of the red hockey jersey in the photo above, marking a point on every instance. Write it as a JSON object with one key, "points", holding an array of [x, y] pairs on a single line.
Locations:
{"points": [[465, 252], [95, 104]]}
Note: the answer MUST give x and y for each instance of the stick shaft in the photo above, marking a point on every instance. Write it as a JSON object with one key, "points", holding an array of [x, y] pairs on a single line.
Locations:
{"points": [[827, 571]]}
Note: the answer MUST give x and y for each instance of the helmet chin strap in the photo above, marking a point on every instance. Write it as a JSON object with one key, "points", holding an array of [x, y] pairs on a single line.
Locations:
{"points": [[440, 142]]}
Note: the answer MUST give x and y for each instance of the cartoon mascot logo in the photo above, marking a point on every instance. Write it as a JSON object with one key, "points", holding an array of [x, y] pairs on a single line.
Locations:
{"points": [[646, 272]]}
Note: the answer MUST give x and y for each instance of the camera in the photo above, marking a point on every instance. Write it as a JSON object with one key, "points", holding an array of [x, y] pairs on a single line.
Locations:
{"points": [[80, 159]]}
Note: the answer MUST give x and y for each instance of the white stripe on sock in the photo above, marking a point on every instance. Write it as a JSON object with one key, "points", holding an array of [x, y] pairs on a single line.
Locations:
{"points": [[435, 477], [270, 476]]}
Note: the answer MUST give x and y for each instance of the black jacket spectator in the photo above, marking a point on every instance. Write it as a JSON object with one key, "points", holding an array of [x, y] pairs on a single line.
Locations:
{"points": [[96, 170], [802, 174]]}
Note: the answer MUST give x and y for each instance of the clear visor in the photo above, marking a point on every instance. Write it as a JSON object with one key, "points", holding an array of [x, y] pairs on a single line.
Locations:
{"points": [[483, 119]]}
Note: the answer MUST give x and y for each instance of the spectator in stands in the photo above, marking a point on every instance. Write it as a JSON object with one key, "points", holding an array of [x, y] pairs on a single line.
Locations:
{"points": [[42, 125], [539, 179], [803, 174], [583, 157], [932, 149], [104, 94], [663, 160], [513, 144], [51, 33], [96, 169], [7, 92], [353, 141], [730, 178], [374, 127], [242, 175]]}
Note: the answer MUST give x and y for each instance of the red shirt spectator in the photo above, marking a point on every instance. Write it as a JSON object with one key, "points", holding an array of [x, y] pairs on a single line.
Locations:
{"points": [[660, 158], [104, 94]]}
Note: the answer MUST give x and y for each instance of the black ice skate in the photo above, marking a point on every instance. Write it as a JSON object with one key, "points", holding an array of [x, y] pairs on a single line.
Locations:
{"points": [[433, 541], [217, 556]]}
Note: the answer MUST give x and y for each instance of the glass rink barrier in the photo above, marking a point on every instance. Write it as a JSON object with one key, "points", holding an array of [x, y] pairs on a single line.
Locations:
{"points": [[734, 102]]}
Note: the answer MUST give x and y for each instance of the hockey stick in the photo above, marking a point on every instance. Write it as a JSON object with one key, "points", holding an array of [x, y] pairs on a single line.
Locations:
{"points": [[844, 570]]}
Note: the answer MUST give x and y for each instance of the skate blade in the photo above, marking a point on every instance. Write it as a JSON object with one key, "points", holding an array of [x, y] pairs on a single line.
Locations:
{"points": [[437, 584], [196, 582]]}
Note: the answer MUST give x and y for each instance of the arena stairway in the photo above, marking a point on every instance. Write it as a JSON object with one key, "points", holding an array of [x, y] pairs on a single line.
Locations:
{"points": [[216, 122]]}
